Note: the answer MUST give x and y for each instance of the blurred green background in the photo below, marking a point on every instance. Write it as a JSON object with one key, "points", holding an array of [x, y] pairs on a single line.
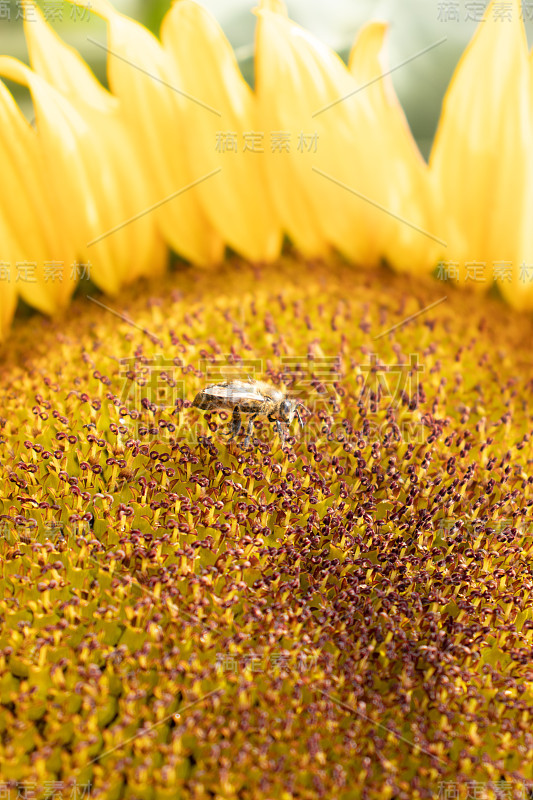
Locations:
{"points": [[441, 27]]}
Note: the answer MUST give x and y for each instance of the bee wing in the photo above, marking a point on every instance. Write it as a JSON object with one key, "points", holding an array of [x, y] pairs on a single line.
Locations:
{"points": [[210, 396], [218, 390], [242, 394], [229, 395]]}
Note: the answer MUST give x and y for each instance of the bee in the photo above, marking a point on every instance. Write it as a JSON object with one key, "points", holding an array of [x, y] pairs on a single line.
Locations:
{"points": [[249, 397]]}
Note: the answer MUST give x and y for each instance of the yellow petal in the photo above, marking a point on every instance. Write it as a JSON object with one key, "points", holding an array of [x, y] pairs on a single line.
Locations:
{"points": [[75, 166], [333, 187], [60, 65], [120, 187], [519, 293], [278, 6], [481, 149], [34, 244], [285, 108], [401, 177], [8, 291], [220, 109], [138, 71]]}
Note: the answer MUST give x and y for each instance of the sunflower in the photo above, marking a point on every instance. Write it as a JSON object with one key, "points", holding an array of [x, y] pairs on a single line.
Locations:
{"points": [[346, 613], [183, 154]]}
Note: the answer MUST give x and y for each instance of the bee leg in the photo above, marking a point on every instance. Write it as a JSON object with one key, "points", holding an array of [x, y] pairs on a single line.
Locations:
{"points": [[235, 423], [249, 430], [280, 432]]}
